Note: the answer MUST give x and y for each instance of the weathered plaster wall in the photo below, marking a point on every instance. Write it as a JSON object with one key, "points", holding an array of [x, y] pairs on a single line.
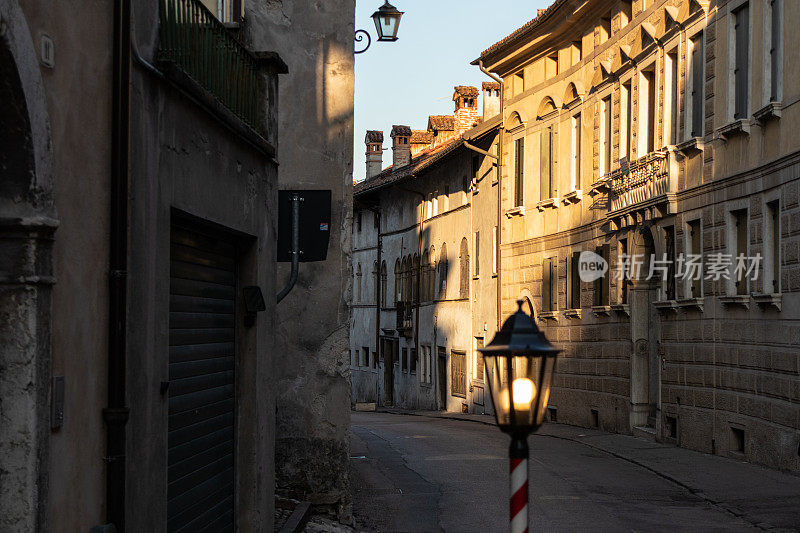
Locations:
{"points": [[315, 39]]}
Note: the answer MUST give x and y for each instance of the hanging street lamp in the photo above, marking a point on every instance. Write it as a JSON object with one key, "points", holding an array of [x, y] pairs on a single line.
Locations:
{"points": [[387, 22], [520, 363]]}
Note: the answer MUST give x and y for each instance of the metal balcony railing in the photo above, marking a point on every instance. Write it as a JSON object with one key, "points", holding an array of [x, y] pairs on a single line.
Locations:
{"points": [[404, 321], [192, 38], [647, 178]]}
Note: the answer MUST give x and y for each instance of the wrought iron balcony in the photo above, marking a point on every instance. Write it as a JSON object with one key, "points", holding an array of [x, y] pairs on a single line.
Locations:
{"points": [[192, 38], [645, 190]]}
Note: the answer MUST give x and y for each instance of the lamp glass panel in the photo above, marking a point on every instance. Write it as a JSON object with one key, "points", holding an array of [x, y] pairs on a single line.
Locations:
{"points": [[387, 26], [520, 388]]}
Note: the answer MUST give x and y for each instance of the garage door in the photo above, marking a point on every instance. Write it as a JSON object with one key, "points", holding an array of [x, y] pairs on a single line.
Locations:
{"points": [[202, 351]]}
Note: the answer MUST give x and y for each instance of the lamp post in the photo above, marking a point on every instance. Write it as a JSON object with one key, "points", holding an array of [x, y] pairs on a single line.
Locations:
{"points": [[520, 363], [387, 22]]}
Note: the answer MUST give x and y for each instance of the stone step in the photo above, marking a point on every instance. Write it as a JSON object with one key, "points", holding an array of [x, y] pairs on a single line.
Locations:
{"points": [[645, 432]]}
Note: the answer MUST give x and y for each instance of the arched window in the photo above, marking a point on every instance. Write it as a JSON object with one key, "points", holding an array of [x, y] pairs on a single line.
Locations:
{"points": [[547, 106], [398, 282], [443, 273], [357, 285], [384, 284], [464, 268], [415, 280], [424, 277], [375, 280], [404, 281]]}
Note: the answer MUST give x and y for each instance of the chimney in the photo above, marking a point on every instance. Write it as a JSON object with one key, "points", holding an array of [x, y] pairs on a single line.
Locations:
{"points": [[491, 99], [374, 141], [466, 114], [401, 146]]}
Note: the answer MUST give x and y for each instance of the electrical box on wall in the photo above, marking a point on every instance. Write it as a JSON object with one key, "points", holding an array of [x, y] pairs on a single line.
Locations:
{"points": [[315, 225]]}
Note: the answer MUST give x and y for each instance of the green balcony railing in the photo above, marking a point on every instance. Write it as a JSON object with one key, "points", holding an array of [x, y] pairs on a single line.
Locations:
{"points": [[199, 44]]}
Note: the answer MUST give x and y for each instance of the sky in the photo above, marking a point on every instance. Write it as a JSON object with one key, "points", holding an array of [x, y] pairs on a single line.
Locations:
{"points": [[405, 81]]}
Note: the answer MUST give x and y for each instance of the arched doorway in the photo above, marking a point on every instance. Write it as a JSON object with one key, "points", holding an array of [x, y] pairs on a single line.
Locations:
{"points": [[644, 323], [27, 225]]}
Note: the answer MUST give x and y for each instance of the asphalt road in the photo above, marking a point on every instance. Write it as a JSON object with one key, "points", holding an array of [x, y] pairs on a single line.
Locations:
{"points": [[417, 473]]}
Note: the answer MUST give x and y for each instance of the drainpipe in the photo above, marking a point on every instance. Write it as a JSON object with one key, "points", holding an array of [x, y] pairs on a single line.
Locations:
{"points": [[295, 247], [499, 188], [116, 413]]}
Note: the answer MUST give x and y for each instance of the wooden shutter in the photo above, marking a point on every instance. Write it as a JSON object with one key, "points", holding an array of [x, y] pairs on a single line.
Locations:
{"points": [[774, 53], [458, 373], [546, 290], [554, 284], [601, 285], [697, 86], [774, 208], [741, 71], [741, 247], [477, 253], [479, 366], [519, 171], [574, 281], [669, 242], [201, 405], [545, 164]]}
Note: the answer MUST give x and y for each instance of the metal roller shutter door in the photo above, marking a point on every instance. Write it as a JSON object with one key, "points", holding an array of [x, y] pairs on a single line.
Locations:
{"points": [[202, 351]]}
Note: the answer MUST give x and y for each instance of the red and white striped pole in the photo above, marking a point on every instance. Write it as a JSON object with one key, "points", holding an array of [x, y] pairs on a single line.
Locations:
{"points": [[518, 453]]}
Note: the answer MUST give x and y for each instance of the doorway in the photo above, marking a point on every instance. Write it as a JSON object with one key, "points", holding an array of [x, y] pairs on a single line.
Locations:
{"points": [[441, 372], [389, 350]]}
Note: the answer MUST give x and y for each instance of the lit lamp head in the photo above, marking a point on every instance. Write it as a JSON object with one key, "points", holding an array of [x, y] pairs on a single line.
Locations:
{"points": [[387, 22], [520, 362]]}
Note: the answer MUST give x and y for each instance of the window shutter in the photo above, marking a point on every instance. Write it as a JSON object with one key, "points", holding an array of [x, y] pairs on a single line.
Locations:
{"points": [[697, 87], [741, 71], [554, 284], [695, 235], [545, 164], [546, 272], [575, 281], [741, 247], [519, 170], [774, 53], [606, 279]]}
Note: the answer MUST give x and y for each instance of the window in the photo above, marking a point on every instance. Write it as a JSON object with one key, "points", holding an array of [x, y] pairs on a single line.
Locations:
{"points": [[364, 357], [357, 286], [573, 281], [773, 80], [625, 121], [737, 244], [576, 51], [412, 363], [479, 366], [517, 83], [695, 259], [374, 360], [605, 135], [424, 277], [741, 70], [494, 250], [415, 281], [443, 272], [464, 279], [519, 171], [626, 13], [575, 145], [458, 373], [550, 284], [772, 249], [647, 112], [477, 253], [601, 285], [358, 221], [605, 29], [695, 103], [403, 358], [384, 282], [546, 163], [670, 133], [376, 275], [669, 246], [625, 260], [397, 281], [551, 65]]}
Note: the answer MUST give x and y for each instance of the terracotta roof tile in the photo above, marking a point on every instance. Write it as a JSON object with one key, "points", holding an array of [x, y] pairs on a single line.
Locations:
{"points": [[441, 123], [541, 15], [466, 91], [421, 137], [405, 131], [374, 137]]}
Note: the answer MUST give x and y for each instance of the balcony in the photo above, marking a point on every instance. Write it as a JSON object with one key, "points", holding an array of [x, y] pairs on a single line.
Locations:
{"points": [[643, 191], [404, 321], [195, 41]]}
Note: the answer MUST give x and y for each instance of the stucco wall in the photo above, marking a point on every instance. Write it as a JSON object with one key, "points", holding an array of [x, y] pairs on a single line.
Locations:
{"points": [[315, 39]]}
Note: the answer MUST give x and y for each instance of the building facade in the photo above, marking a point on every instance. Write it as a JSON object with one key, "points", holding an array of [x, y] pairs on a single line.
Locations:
{"points": [[424, 268], [138, 385], [657, 134]]}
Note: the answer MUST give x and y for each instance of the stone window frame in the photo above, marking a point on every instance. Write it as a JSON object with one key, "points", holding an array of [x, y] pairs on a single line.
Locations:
{"points": [[728, 15], [692, 31]]}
